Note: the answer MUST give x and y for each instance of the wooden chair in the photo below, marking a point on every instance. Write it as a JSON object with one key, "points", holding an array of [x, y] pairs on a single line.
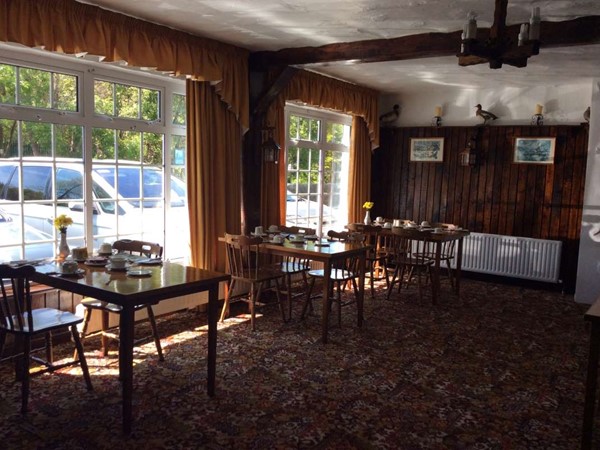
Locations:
{"points": [[246, 266], [447, 254], [19, 318], [409, 258], [376, 257], [297, 230], [343, 273], [133, 247]]}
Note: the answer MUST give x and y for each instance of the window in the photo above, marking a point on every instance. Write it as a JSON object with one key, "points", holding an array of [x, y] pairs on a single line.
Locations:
{"points": [[317, 156], [104, 146]]}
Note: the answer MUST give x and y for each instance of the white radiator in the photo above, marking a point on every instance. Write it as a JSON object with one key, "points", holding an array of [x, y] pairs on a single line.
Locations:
{"points": [[518, 257]]}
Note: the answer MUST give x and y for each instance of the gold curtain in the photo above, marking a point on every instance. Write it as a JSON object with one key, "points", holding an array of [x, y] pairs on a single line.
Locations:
{"points": [[359, 189], [214, 142], [325, 92], [70, 27]]}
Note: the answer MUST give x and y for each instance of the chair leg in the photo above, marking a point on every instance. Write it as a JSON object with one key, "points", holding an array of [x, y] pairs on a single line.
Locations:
{"points": [[2, 340], [225, 310], [103, 337], [49, 349], [392, 282], [81, 357], [24, 369], [254, 296], [279, 302], [308, 302], [87, 315], [152, 320]]}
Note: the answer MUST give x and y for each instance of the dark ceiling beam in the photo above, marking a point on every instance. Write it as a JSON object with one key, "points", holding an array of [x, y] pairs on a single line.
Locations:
{"points": [[262, 104], [580, 31]]}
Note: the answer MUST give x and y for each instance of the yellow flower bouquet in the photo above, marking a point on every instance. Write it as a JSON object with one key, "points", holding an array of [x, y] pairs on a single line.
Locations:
{"points": [[62, 222], [368, 205]]}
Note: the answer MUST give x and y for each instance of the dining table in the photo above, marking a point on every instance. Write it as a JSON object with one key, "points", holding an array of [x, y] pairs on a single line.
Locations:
{"points": [[129, 289], [437, 238], [327, 252]]}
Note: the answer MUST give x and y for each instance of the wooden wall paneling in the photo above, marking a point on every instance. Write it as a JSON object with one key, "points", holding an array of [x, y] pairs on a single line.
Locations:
{"points": [[568, 209], [557, 191], [454, 148], [482, 182], [494, 215]]}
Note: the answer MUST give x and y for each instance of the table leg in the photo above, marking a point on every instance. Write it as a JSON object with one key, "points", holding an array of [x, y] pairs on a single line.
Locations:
{"points": [[590, 387], [126, 324], [325, 313], [458, 267], [213, 306], [360, 298]]}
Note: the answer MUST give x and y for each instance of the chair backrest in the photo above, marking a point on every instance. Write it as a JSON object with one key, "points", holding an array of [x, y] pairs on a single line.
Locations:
{"points": [[371, 233], [243, 255], [15, 302], [298, 230], [135, 247]]}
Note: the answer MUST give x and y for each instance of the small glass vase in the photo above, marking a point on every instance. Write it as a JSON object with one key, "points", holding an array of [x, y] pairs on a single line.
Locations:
{"points": [[63, 250], [368, 217]]}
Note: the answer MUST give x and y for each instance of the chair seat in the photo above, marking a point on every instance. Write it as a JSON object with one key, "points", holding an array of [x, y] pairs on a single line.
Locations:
{"points": [[46, 319], [102, 305], [335, 275]]}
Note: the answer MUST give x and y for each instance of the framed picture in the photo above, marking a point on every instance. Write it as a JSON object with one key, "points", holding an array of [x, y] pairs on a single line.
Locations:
{"points": [[427, 149], [535, 150]]}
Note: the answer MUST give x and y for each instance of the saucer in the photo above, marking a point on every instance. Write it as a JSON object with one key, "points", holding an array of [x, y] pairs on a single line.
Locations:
{"points": [[149, 261], [139, 273], [115, 269], [95, 263], [71, 274]]}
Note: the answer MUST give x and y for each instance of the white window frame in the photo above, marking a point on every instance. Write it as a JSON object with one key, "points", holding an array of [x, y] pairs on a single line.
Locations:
{"points": [[325, 117], [87, 70]]}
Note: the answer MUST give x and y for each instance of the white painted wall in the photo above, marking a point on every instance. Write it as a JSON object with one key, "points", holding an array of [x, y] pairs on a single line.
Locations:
{"points": [[563, 104], [588, 267]]}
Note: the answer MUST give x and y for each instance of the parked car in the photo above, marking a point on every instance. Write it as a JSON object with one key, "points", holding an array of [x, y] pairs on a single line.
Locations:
{"points": [[138, 200], [10, 231], [304, 212]]}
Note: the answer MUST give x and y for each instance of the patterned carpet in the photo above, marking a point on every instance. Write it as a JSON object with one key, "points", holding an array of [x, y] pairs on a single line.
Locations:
{"points": [[501, 368]]}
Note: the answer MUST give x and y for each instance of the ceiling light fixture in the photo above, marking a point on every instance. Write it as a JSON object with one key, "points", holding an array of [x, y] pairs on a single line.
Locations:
{"points": [[500, 48]]}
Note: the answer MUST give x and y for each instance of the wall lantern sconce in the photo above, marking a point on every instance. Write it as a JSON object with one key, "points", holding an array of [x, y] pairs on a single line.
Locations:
{"points": [[468, 156], [437, 117], [269, 147], [538, 118]]}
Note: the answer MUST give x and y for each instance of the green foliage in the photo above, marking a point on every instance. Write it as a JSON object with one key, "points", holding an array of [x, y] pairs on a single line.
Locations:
{"points": [[8, 84], [68, 141], [103, 143], [36, 138], [179, 114], [8, 138], [34, 88]]}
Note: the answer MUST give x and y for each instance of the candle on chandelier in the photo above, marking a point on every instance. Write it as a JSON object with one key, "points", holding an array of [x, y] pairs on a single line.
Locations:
{"points": [[538, 109], [438, 111]]}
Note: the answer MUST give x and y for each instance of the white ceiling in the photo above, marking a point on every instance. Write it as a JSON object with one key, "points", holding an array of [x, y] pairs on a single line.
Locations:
{"points": [[276, 24]]}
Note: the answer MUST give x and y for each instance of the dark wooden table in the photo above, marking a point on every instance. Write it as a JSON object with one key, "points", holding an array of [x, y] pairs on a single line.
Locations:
{"points": [[593, 316], [438, 239], [327, 254], [166, 281]]}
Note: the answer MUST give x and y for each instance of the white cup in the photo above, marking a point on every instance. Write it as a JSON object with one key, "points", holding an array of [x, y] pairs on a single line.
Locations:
{"points": [[80, 253], [438, 230], [105, 248], [118, 262], [69, 267], [258, 231], [277, 239], [424, 223], [396, 223], [379, 219], [387, 225], [273, 228]]}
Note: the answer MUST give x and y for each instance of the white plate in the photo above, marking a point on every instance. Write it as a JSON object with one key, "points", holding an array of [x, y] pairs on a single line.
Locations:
{"points": [[96, 263], [72, 274], [139, 273], [150, 261], [438, 232]]}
